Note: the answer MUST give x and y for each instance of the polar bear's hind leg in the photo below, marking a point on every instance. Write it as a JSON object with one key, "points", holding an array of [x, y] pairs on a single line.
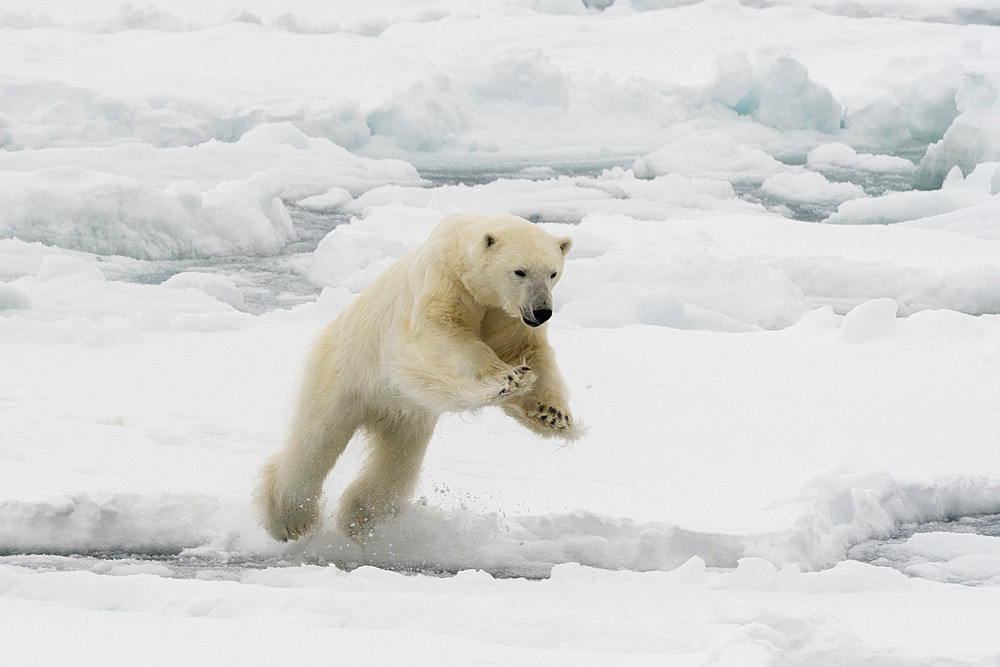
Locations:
{"points": [[390, 473], [291, 481]]}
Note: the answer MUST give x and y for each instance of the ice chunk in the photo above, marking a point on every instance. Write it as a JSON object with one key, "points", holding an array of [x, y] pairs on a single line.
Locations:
{"points": [[13, 298], [809, 186], [485, 93], [619, 304], [929, 99], [871, 319], [842, 156], [973, 137], [711, 155], [981, 220], [984, 178], [844, 284], [76, 208], [976, 204], [331, 200], [719, 290], [355, 254], [149, 18], [777, 92], [561, 7], [116, 215], [277, 134], [59, 266], [213, 284], [878, 116], [900, 206]]}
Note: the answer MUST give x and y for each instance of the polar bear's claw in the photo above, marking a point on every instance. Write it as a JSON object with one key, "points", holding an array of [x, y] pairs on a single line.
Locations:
{"points": [[519, 381], [551, 416]]}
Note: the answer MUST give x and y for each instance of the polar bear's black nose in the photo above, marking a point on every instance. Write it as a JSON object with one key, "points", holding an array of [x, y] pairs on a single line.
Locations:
{"points": [[541, 315]]}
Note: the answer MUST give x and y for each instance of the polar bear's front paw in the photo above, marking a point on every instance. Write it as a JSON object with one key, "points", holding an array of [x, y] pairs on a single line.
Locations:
{"points": [[514, 382], [550, 416]]}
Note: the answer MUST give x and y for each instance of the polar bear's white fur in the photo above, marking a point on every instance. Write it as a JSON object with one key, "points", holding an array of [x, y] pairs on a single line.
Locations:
{"points": [[457, 324]]}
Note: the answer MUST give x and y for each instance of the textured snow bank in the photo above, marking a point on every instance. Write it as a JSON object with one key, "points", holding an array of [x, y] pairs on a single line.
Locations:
{"points": [[108, 523], [832, 514], [208, 200], [116, 215]]}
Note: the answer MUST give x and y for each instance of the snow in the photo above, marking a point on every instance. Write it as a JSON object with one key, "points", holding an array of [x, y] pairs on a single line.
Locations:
{"points": [[779, 321]]}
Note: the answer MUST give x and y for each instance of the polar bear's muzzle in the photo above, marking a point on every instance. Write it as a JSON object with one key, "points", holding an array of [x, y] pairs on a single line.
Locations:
{"points": [[536, 318]]}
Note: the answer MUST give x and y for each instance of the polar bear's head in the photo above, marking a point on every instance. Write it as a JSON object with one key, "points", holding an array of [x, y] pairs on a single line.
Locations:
{"points": [[521, 264]]}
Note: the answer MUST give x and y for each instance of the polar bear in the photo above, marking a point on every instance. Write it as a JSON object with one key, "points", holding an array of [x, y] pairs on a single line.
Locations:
{"points": [[457, 324]]}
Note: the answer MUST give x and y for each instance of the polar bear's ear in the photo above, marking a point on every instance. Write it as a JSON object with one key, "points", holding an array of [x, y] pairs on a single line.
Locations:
{"points": [[489, 240], [565, 243]]}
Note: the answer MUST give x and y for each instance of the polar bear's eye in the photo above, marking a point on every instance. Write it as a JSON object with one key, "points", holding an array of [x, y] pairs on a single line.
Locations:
{"points": [[520, 273], [553, 274]]}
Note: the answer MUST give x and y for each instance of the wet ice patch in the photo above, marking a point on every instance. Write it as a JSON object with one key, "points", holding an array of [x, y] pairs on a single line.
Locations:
{"points": [[962, 551]]}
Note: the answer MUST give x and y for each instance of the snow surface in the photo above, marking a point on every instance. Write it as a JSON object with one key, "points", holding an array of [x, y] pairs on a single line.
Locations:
{"points": [[780, 321]]}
